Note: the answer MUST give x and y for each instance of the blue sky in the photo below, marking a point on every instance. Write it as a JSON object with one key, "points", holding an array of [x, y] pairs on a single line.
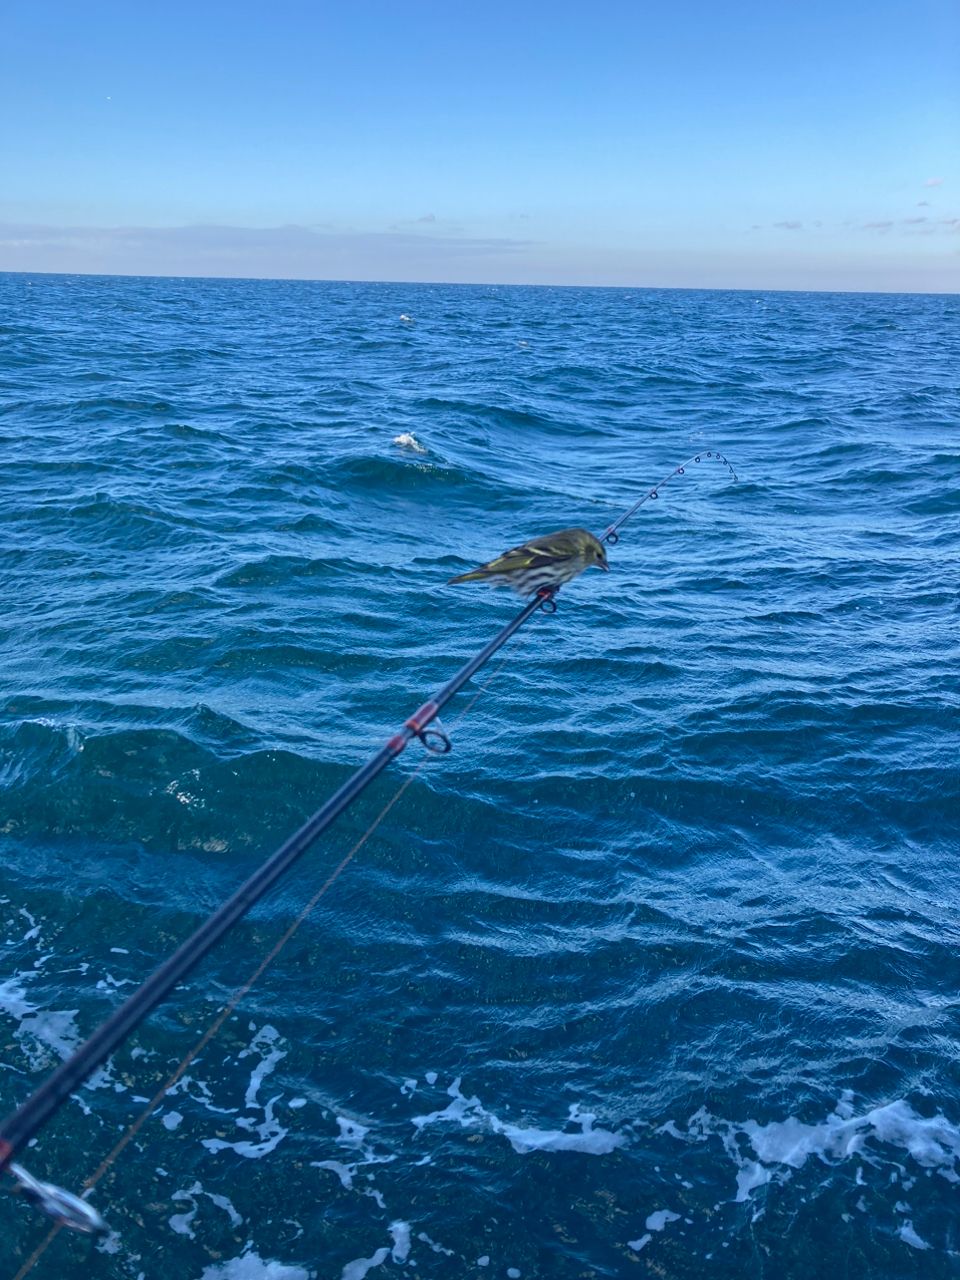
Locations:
{"points": [[739, 144]]}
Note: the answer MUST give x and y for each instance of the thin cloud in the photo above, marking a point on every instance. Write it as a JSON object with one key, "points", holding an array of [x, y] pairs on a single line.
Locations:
{"points": [[923, 204], [295, 252], [427, 220], [876, 225], [933, 182]]}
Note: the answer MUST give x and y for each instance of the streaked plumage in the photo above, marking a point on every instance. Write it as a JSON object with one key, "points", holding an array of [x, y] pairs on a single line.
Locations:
{"points": [[549, 561]]}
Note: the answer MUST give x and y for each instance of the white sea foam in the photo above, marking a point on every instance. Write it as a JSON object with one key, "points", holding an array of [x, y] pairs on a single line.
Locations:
{"points": [[270, 1132], [111, 1243], [470, 1113], [359, 1267], [344, 1172], [909, 1236], [38, 1029], [201, 1094], [224, 1203], [34, 930], [656, 1221], [781, 1146], [250, 1266], [659, 1219], [353, 1135], [264, 1043], [181, 1223], [401, 1241], [432, 1244], [43, 1032]]}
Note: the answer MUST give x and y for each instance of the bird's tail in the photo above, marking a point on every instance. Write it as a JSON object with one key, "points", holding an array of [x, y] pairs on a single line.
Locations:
{"points": [[475, 575]]}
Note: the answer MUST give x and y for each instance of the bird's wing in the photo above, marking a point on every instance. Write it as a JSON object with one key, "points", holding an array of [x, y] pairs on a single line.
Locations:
{"points": [[532, 555], [535, 553], [518, 560]]}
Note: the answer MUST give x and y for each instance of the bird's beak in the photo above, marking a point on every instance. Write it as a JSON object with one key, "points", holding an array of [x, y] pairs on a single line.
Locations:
{"points": [[602, 564]]}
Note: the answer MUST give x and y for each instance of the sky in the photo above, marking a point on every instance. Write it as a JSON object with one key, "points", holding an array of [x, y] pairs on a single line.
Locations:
{"points": [[745, 144]]}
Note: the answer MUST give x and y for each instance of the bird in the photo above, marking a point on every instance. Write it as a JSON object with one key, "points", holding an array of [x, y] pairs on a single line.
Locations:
{"points": [[542, 563]]}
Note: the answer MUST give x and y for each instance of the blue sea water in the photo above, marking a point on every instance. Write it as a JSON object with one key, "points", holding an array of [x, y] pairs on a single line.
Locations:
{"points": [[658, 972]]}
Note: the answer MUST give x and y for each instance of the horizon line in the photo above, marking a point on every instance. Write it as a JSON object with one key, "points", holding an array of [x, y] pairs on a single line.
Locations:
{"points": [[479, 284]]}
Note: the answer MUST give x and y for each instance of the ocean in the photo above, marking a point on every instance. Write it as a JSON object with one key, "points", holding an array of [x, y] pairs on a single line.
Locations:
{"points": [[657, 973]]}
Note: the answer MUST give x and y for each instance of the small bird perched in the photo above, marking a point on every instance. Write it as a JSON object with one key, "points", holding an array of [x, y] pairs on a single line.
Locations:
{"points": [[542, 563]]}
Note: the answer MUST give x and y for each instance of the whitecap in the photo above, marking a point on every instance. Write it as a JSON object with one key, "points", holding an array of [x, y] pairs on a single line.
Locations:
{"points": [[406, 440]]}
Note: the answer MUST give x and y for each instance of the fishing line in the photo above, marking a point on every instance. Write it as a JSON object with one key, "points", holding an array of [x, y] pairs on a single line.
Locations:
{"points": [[26, 1121], [269, 958], [137, 1124]]}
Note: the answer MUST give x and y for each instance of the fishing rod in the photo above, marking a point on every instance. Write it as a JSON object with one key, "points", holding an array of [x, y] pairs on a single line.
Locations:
{"points": [[26, 1121]]}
